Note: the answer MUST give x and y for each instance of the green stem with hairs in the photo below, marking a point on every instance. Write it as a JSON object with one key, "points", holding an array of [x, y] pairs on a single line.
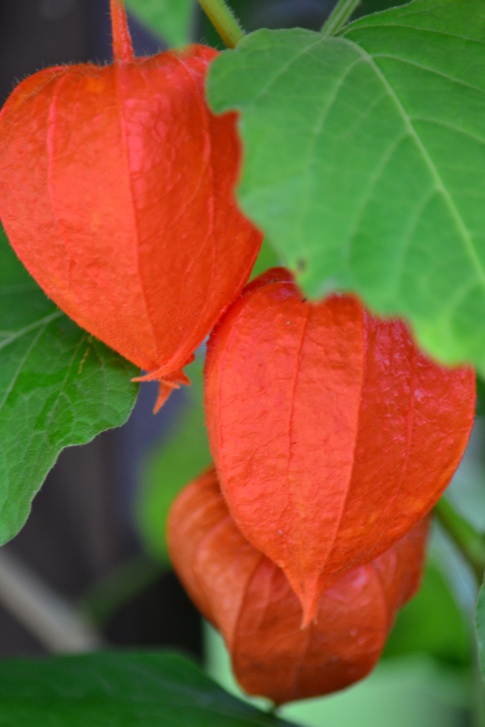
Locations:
{"points": [[341, 13], [223, 20]]}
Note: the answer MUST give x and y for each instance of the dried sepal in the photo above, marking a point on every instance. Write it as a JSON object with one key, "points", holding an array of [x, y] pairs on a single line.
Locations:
{"points": [[248, 598], [332, 434]]}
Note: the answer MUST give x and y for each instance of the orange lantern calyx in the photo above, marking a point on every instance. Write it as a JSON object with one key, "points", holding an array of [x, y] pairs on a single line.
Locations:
{"points": [[331, 432], [123, 219]]}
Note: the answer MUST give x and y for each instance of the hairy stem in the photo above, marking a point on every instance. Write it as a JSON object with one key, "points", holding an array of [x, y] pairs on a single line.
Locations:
{"points": [[468, 540], [122, 46], [223, 20], [341, 13]]}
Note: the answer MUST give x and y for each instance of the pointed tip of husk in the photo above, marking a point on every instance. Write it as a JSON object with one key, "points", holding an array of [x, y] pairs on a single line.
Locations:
{"points": [[166, 385], [308, 593], [309, 613], [122, 45], [164, 391]]}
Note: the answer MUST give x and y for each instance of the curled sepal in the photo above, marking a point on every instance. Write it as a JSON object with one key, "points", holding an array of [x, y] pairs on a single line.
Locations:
{"points": [[248, 598], [332, 434]]}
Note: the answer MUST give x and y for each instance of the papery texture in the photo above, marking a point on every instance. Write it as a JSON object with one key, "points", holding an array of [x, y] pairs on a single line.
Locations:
{"points": [[331, 432], [248, 598], [117, 193]]}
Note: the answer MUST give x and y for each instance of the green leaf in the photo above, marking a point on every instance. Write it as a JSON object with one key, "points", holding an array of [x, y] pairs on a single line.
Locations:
{"points": [[480, 408], [58, 387], [267, 258], [365, 161], [118, 689], [170, 19], [480, 628], [432, 623], [171, 466]]}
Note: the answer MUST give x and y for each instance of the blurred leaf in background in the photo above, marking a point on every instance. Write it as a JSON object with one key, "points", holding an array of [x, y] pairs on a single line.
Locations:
{"points": [[480, 629], [170, 20], [432, 623]]}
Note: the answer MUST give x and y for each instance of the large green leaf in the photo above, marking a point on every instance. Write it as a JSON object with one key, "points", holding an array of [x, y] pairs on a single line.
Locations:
{"points": [[365, 161], [171, 466], [170, 19], [58, 387], [119, 690]]}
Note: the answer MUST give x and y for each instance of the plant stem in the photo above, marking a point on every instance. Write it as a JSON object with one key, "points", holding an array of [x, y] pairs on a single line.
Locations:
{"points": [[122, 46], [339, 16], [223, 20], [469, 541], [123, 582], [43, 611]]}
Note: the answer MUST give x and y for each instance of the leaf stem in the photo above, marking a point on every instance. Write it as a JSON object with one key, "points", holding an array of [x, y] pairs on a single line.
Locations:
{"points": [[123, 582], [342, 11], [223, 20], [468, 540]]}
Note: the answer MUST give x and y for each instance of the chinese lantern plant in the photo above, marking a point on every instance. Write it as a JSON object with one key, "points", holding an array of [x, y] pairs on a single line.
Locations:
{"points": [[332, 434], [138, 238], [116, 192], [250, 600]]}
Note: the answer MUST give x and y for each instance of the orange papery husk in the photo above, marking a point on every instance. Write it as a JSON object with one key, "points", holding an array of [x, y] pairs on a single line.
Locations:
{"points": [[331, 432], [117, 194], [249, 599]]}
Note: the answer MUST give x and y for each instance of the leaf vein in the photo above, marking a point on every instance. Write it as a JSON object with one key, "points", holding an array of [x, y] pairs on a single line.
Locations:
{"points": [[400, 26], [455, 214], [17, 371], [428, 69], [452, 127], [31, 327]]}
